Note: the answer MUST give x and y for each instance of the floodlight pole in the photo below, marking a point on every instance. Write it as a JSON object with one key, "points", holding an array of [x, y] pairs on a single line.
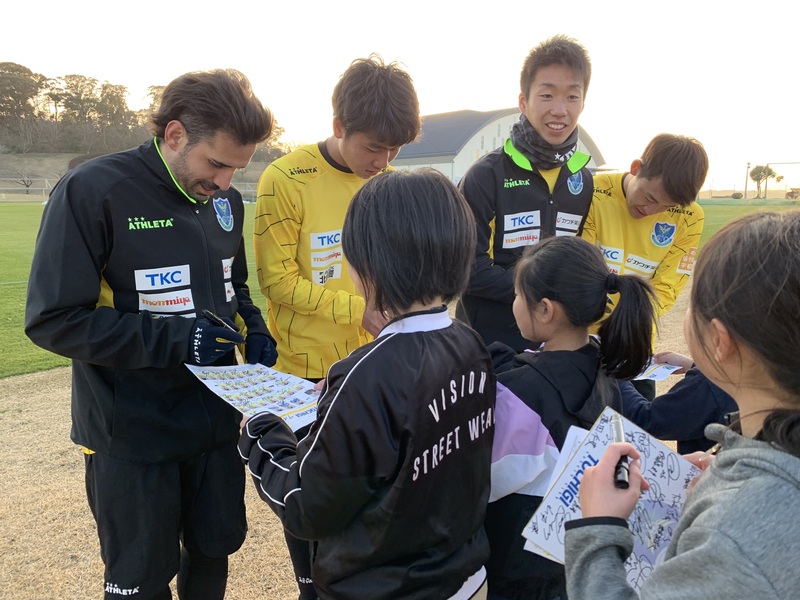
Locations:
{"points": [[746, 177]]}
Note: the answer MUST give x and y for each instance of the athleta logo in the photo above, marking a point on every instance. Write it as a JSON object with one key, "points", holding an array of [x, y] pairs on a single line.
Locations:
{"points": [[510, 183], [299, 171], [142, 223], [663, 234], [113, 588], [224, 216]]}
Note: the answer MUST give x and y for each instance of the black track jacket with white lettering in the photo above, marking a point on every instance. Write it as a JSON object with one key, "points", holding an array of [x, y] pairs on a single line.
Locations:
{"points": [[119, 245], [513, 209], [392, 481]]}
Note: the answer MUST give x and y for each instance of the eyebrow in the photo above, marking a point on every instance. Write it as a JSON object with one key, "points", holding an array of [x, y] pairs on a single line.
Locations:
{"points": [[219, 163], [573, 86]]}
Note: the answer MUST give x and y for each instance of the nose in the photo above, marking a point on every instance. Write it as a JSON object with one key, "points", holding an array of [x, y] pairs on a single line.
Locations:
{"points": [[223, 178], [559, 108], [382, 160]]}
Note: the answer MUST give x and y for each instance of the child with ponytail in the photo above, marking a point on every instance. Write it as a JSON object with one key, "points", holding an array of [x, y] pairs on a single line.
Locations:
{"points": [[737, 537], [562, 286]]}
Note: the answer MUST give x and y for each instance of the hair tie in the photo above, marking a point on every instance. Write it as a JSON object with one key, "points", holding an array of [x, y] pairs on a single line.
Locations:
{"points": [[612, 283]]}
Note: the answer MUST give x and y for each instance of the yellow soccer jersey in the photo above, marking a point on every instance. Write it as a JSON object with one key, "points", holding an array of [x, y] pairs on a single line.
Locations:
{"points": [[660, 247], [314, 310]]}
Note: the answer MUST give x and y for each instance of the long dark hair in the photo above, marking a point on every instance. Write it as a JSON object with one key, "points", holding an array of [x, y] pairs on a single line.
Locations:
{"points": [[571, 271], [748, 278]]}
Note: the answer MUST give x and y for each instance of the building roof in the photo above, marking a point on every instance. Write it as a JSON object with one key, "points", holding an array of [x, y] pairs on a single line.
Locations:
{"points": [[445, 134]]}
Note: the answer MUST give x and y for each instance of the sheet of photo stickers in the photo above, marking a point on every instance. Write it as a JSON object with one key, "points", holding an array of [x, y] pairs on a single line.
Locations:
{"points": [[653, 520], [252, 389]]}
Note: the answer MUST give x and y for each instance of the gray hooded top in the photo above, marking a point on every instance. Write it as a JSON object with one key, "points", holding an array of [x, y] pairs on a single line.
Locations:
{"points": [[739, 535]]}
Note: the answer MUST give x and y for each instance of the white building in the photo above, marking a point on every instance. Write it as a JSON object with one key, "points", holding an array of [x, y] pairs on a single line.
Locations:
{"points": [[451, 142]]}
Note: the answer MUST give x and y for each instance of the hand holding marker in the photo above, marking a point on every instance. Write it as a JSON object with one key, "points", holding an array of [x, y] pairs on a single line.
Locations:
{"points": [[621, 472], [217, 320]]}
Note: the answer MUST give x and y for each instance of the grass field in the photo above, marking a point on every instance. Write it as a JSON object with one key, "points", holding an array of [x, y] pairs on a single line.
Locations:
{"points": [[21, 222]]}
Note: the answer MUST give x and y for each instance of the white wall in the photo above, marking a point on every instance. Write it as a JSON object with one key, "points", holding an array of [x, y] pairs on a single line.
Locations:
{"points": [[489, 137]]}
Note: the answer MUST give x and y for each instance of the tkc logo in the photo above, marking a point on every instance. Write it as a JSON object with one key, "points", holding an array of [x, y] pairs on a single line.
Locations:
{"points": [[325, 239], [521, 220], [328, 240], [611, 254], [163, 278]]}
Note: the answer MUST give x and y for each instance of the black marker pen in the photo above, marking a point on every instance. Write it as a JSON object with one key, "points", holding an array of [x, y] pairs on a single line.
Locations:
{"points": [[217, 320], [618, 435]]}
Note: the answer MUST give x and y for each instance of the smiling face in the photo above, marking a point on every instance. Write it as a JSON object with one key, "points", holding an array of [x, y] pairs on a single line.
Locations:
{"points": [[554, 103], [645, 197], [207, 166]]}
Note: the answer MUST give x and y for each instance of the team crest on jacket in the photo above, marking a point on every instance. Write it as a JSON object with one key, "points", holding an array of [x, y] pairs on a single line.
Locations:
{"points": [[224, 215], [662, 234], [575, 183]]}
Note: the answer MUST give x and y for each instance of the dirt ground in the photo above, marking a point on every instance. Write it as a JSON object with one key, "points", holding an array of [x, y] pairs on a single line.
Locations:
{"points": [[48, 545]]}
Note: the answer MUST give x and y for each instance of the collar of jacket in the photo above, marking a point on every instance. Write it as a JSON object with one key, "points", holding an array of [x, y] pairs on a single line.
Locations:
{"points": [[576, 162]]}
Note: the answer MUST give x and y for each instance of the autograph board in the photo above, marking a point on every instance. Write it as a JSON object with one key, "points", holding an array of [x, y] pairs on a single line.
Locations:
{"points": [[252, 389], [653, 520]]}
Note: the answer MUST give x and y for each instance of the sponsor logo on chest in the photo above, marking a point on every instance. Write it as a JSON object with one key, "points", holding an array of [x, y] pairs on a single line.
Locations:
{"points": [[326, 256]]}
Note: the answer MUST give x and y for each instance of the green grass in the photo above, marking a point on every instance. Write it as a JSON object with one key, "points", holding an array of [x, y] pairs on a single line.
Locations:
{"points": [[21, 222]]}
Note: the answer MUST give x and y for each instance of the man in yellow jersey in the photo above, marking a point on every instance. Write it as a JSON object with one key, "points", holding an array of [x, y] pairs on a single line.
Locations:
{"points": [[647, 222], [535, 186], [314, 311]]}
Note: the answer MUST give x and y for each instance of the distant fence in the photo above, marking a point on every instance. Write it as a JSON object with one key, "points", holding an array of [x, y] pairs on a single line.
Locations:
{"points": [[749, 202], [38, 186], [42, 187]]}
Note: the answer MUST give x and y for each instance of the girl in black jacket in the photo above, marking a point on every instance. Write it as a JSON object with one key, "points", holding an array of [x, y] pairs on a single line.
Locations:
{"points": [[561, 287]]}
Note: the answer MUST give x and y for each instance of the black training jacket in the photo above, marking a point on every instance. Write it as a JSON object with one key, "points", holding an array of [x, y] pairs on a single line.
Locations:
{"points": [[122, 256]]}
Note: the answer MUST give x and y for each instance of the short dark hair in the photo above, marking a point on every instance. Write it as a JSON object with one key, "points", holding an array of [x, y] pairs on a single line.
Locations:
{"points": [[557, 50], [571, 271], [206, 102], [680, 161], [378, 99], [748, 278], [410, 237]]}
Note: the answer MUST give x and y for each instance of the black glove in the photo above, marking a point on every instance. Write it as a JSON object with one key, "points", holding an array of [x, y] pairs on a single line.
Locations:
{"points": [[209, 342], [260, 348]]}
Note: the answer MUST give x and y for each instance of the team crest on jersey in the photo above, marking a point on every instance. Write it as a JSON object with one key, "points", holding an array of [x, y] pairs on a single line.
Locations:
{"points": [[224, 215], [662, 235], [575, 183]]}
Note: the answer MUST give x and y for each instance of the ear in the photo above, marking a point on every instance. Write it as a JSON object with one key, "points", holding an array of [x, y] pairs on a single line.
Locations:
{"points": [[724, 344], [546, 310], [175, 136], [636, 165], [523, 103], [338, 129]]}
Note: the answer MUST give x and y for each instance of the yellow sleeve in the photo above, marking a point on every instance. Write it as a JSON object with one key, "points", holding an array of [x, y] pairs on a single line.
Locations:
{"points": [[674, 271], [277, 229], [589, 232]]}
